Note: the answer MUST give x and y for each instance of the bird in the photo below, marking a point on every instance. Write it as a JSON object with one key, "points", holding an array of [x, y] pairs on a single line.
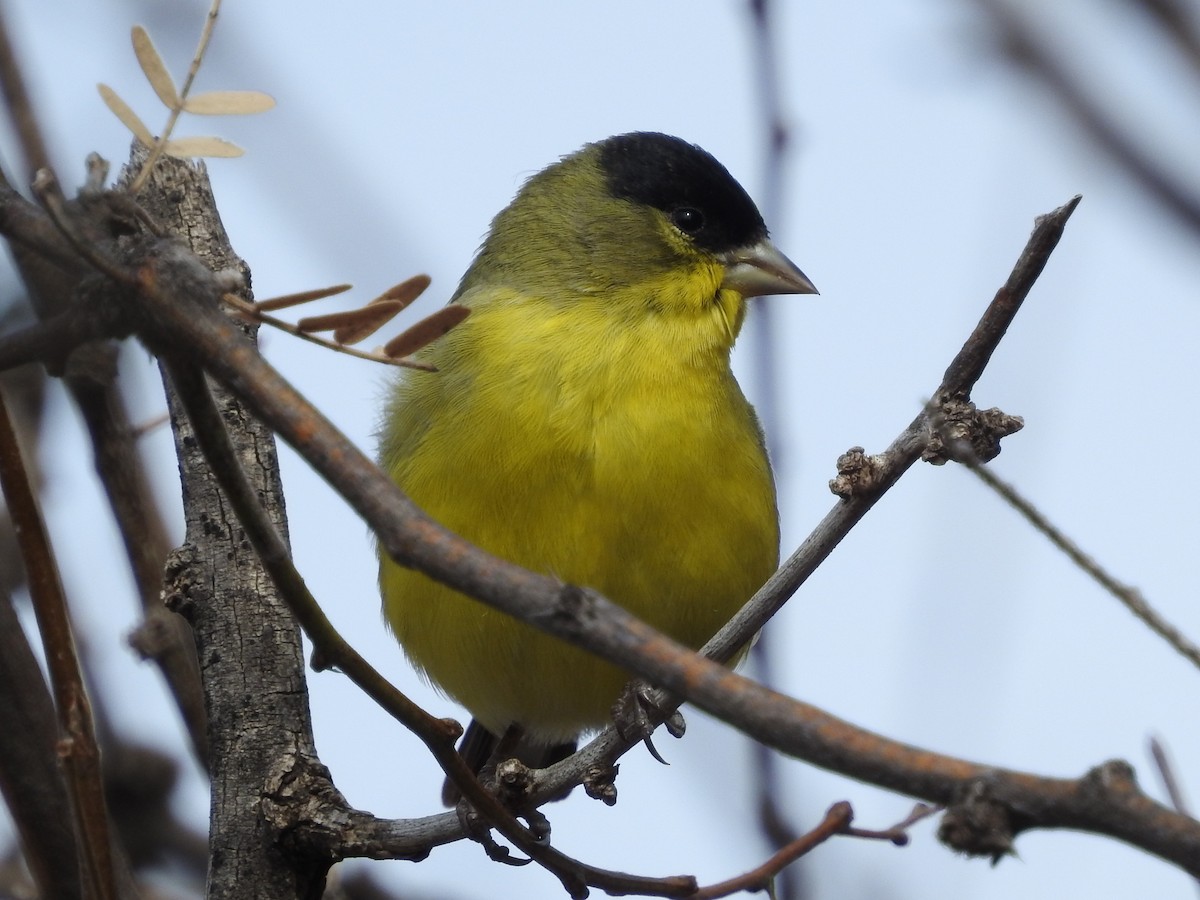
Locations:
{"points": [[584, 422]]}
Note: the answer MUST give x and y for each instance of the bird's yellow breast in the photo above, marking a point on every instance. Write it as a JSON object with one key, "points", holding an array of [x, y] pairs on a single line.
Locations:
{"points": [[603, 441]]}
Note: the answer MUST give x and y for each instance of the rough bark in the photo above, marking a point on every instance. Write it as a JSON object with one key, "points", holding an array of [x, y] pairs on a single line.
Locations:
{"points": [[248, 643]]}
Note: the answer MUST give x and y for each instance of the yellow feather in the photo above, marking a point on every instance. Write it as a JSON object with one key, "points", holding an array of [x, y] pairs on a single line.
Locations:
{"points": [[599, 438]]}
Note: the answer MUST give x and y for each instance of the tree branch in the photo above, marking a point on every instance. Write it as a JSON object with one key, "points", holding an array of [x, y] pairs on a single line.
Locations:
{"points": [[29, 775], [77, 746], [247, 640], [178, 301], [1031, 48]]}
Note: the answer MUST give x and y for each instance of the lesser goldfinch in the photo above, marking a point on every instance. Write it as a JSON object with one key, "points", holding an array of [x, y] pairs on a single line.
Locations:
{"points": [[584, 422]]}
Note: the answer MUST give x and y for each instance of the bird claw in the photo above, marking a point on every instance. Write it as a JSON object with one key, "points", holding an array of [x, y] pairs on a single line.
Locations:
{"points": [[636, 715], [654, 750], [477, 829], [675, 724]]}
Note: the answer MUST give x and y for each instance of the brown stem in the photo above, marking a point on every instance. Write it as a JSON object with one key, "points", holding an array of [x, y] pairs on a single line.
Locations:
{"points": [[30, 777], [836, 820], [77, 745]]}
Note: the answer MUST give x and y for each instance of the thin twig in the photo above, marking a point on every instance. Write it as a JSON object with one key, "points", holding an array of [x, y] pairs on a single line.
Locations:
{"points": [[1130, 597], [160, 145], [1179, 21], [48, 190], [898, 833], [1043, 56], [77, 747], [248, 309], [149, 426], [1166, 772], [20, 109], [775, 140], [836, 821], [33, 787], [47, 342], [960, 378]]}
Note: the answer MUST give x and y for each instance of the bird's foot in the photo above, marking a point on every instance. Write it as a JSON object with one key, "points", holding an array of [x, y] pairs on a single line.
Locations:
{"points": [[478, 829], [637, 713]]}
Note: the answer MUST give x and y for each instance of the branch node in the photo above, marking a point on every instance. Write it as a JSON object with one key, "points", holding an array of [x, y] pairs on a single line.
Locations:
{"points": [[1109, 780], [600, 783], [858, 474], [513, 783], [962, 433], [154, 636], [977, 824]]}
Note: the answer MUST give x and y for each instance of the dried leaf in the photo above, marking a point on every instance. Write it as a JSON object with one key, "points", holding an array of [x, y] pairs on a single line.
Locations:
{"points": [[346, 319], [369, 320], [426, 331], [188, 147], [286, 300], [405, 292], [228, 103], [127, 116], [156, 70]]}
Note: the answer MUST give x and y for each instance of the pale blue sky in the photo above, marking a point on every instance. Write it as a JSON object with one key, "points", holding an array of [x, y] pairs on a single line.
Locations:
{"points": [[919, 164]]}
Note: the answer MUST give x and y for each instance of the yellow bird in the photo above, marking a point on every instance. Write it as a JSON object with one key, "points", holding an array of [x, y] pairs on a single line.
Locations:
{"points": [[584, 422]]}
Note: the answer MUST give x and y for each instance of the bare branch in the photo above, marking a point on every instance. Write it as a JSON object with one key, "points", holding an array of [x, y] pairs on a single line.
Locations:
{"points": [[1129, 596], [1165, 770], [1103, 802], [836, 821], [77, 748], [29, 775], [159, 146], [20, 109], [1030, 47], [886, 468]]}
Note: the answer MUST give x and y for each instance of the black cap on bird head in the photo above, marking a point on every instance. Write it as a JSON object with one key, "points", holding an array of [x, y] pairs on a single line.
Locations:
{"points": [[671, 175], [703, 201]]}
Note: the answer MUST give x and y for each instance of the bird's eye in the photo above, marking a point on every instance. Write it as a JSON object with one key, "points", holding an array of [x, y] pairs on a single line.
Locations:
{"points": [[687, 219]]}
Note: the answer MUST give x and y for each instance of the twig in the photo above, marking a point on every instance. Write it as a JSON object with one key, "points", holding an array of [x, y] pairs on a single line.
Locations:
{"points": [[775, 140], [283, 325], [1167, 773], [77, 747], [836, 821], [48, 342], [1032, 49], [149, 426], [162, 636], [20, 109], [26, 225], [30, 777], [160, 145], [1179, 21], [886, 468], [137, 516], [48, 190], [898, 833], [1129, 596]]}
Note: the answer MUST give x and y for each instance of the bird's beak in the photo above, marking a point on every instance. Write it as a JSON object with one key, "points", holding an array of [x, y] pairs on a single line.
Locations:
{"points": [[760, 269]]}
